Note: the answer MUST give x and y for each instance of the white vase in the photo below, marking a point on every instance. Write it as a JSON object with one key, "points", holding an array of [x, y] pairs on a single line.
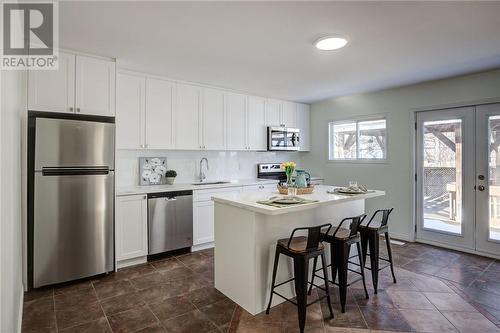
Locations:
{"points": [[170, 180]]}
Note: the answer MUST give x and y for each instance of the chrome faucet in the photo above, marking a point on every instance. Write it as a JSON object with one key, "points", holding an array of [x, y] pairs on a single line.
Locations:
{"points": [[202, 175]]}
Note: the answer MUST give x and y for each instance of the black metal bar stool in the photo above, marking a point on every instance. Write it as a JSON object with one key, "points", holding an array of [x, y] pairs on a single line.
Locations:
{"points": [[370, 238], [301, 249], [340, 245]]}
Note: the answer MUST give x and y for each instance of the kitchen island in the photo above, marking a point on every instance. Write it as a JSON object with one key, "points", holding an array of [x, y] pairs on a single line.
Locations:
{"points": [[246, 233]]}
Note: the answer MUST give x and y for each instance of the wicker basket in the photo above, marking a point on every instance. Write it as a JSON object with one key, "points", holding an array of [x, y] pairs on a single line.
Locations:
{"points": [[300, 190]]}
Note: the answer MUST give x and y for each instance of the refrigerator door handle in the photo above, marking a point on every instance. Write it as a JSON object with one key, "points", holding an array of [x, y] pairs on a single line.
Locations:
{"points": [[75, 171]]}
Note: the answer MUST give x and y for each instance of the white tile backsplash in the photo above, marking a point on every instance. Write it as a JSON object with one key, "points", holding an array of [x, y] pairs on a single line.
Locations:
{"points": [[227, 165]]}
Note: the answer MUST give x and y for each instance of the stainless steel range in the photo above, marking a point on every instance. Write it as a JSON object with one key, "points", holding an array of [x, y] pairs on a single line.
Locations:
{"points": [[271, 171]]}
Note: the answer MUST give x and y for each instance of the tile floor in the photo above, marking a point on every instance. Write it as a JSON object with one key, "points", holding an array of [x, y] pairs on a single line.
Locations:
{"points": [[437, 291]]}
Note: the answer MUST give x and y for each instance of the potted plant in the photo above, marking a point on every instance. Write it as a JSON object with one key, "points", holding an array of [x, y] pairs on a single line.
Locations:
{"points": [[170, 176]]}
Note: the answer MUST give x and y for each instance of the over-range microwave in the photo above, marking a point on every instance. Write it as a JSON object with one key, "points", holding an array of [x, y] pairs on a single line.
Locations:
{"points": [[283, 138]]}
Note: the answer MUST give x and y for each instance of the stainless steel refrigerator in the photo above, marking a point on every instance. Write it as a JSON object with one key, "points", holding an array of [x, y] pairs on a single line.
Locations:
{"points": [[71, 163]]}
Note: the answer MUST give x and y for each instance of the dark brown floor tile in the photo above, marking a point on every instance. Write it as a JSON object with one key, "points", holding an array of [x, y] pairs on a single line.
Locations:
{"points": [[39, 314], [482, 297], [78, 314], [450, 302], [260, 328], [172, 307], [157, 328], [84, 296], [122, 303], [351, 318], [41, 330], [148, 281], [167, 264], [97, 326], [488, 286], [190, 283], [177, 273], [113, 288], [430, 284], [380, 299], [385, 319], [79, 287], [205, 296], [422, 267], [471, 260], [431, 321], [37, 294], [467, 322], [132, 320], [410, 300], [193, 321], [463, 275], [495, 266], [127, 273], [159, 293], [221, 312], [191, 258], [208, 252]]}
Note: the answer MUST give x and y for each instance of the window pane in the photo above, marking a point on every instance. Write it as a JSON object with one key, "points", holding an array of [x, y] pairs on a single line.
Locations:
{"points": [[442, 179], [372, 139], [494, 177], [344, 141]]}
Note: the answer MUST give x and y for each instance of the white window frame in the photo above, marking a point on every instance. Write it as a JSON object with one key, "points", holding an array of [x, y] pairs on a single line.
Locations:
{"points": [[357, 120]]}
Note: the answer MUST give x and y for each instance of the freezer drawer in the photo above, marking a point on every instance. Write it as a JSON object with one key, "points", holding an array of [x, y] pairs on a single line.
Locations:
{"points": [[73, 143], [170, 221], [72, 226]]}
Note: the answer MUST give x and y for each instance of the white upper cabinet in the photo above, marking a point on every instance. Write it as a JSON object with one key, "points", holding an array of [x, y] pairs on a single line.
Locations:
{"points": [[214, 119], [53, 90], [160, 106], [273, 112], [81, 84], [95, 86], [236, 121], [256, 123], [187, 117], [130, 111], [304, 123], [289, 114]]}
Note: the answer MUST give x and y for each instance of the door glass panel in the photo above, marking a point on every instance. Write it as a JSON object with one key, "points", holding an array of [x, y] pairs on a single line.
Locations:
{"points": [[442, 176], [494, 177]]}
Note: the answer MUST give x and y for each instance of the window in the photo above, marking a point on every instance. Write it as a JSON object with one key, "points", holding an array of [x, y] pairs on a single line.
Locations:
{"points": [[355, 140]]}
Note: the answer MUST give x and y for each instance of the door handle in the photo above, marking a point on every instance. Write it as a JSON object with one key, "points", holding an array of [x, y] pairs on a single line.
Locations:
{"points": [[481, 188], [480, 177]]}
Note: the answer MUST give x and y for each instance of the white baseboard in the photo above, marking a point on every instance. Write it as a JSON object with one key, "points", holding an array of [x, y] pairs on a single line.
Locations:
{"points": [[203, 246], [131, 262], [20, 311], [403, 237]]}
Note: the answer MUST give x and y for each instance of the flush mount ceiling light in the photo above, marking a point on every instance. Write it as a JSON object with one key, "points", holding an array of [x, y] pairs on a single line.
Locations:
{"points": [[330, 43]]}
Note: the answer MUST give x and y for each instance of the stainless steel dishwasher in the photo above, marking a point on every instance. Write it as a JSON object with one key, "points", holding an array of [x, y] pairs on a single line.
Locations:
{"points": [[170, 221]]}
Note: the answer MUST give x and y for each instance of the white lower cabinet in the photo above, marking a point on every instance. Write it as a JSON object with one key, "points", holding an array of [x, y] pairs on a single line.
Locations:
{"points": [[131, 227], [262, 187], [203, 213]]}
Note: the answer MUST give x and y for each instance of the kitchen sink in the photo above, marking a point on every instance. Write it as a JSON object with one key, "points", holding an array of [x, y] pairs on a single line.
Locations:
{"points": [[212, 183]]}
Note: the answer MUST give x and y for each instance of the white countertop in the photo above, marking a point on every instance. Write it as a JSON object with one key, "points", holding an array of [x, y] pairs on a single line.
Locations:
{"points": [[248, 200], [131, 190]]}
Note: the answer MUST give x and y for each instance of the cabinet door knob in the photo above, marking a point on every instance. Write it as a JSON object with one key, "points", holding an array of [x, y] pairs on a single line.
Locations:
{"points": [[71, 109], [144, 196], [77, 109]]}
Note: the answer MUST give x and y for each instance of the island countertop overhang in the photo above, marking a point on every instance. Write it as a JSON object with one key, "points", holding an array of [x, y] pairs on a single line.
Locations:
{"points": [[248, 200]]}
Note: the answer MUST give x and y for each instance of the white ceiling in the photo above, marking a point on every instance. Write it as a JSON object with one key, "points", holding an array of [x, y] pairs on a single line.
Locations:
{"points": [[266, 47]]}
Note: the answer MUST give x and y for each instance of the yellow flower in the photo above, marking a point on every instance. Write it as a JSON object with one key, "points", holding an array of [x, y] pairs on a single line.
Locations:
{"points": [[288, 166]]}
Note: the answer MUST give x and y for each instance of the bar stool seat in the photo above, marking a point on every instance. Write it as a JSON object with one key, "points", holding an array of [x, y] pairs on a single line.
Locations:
{"points": [[301, 249], [298, 244]]}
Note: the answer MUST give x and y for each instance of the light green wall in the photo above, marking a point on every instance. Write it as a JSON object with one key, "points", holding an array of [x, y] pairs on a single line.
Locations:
{"points": [[398, 105]]}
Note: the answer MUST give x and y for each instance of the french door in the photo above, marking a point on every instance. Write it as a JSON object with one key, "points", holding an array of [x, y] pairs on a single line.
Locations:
{"points": [[458, 177]]}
